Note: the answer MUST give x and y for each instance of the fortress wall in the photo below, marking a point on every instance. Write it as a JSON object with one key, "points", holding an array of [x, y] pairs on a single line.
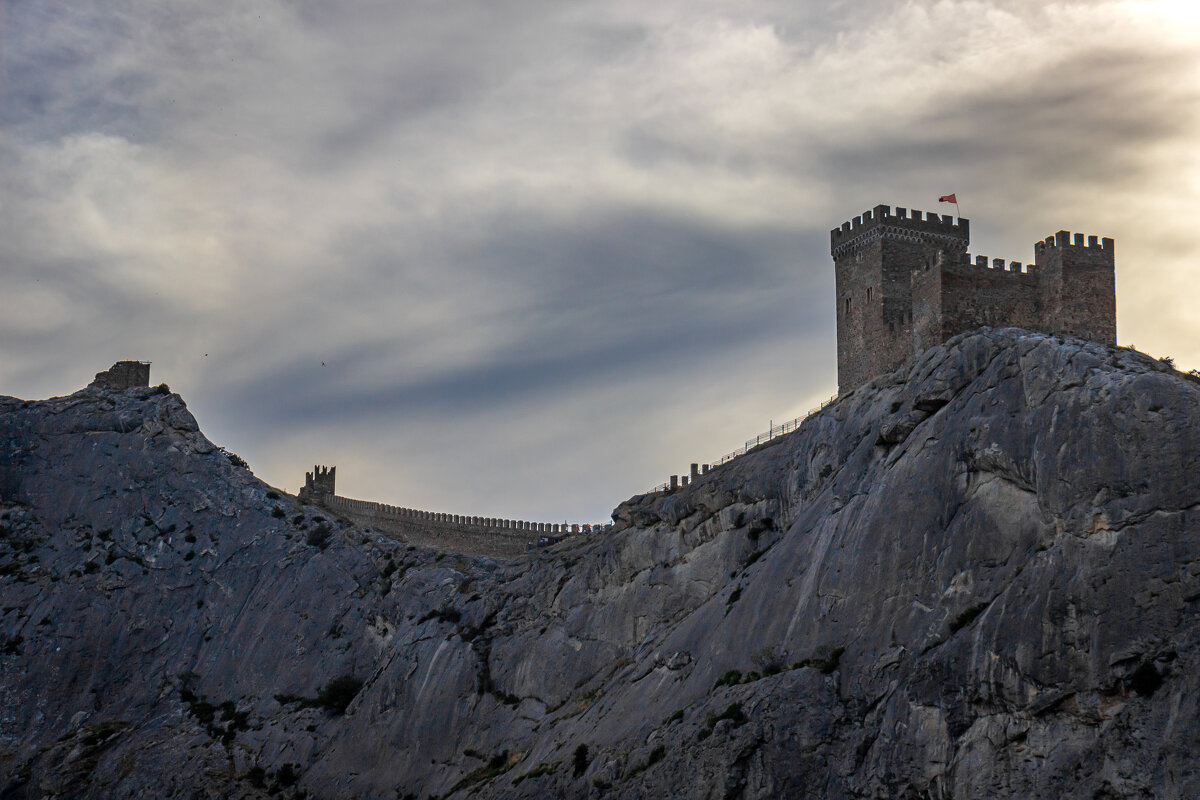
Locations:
{"points": [[486, 536], [994, 293]]}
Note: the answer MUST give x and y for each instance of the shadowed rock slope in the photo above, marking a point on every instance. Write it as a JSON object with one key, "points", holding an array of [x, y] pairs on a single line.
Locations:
{"points": [[978, 576]]}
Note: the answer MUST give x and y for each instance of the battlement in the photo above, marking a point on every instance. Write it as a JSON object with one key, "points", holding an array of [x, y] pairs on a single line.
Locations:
{"points": [[915, 223], [1064, 239], [997, 265]]}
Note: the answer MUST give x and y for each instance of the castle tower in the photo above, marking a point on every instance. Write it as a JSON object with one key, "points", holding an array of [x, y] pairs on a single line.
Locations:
{"points": [[1078, 286], [318, 484], [874, 257]]}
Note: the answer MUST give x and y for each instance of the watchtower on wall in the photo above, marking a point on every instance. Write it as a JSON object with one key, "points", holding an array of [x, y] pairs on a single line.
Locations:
{"points": [[905, 283], [874, 256], [318, 484]]}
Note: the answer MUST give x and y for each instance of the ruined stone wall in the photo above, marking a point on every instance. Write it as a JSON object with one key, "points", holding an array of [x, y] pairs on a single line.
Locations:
{"points": [[486, 536], [123, 375]]}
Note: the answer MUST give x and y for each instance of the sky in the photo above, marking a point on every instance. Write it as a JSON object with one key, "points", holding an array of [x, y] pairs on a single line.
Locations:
{"points": [[527, 259]]}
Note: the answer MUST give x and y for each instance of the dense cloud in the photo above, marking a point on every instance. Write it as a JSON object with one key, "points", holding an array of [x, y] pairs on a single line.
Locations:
{"points": [[522, 259]]}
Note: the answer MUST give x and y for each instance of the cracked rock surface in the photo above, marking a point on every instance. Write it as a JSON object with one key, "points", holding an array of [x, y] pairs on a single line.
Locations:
{"points": [[977, 576]]}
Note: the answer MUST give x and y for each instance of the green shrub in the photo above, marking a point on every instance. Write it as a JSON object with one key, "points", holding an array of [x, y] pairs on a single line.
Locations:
{"points": [[731, 678], [337, 695], [734, 596], [443, 614], [234, 458], [541, 769], [580, 761], [278, 513], [287, 775], [272, 495], [319, 536], [257, 777]]}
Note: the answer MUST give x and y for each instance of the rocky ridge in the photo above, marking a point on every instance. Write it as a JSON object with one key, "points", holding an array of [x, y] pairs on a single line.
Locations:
{"points": [[977, 576]]}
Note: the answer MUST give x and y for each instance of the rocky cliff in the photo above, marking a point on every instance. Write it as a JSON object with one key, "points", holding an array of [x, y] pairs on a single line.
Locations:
{"points": [[978, 576]]}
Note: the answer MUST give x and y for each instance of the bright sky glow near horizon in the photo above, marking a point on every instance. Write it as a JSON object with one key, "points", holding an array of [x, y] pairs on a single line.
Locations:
{"points": [[526, 259]]}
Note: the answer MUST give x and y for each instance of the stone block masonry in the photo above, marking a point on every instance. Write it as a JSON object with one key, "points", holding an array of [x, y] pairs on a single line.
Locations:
{"points": [[906, 283]]}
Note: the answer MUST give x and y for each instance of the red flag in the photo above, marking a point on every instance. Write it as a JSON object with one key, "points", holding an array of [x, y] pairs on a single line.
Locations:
{"points": [[948, 198]]}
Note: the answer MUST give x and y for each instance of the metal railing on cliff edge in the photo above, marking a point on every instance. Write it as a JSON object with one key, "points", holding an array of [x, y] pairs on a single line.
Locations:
{"points": [[774, 432]]}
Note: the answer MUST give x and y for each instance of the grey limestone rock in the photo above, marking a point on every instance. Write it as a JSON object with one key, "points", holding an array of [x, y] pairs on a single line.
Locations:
{"points": [[978, 576]]}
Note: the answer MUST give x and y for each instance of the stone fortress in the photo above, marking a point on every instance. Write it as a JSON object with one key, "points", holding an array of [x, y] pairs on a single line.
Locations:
{"points": [[905, 283]]}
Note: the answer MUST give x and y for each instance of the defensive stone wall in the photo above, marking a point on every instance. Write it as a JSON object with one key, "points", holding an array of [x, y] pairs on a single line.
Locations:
{"points": [[905, 283], [499, 538], [489, 536]]}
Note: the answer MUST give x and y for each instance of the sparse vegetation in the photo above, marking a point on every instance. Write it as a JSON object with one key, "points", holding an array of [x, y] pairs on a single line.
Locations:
{"points": [[334, 697], [443, 614], [731, 678], [234, 458], [734, 596], [337, 695], [732, 712], [278, 512], [967, 616], [541, 769], [826, 659], [319, 536], [272, 495], [826, 471], [580, 760], [497, 765]]}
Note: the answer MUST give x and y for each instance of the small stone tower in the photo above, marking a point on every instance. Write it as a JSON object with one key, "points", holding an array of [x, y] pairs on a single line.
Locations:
{"points": [[906, 283], [874, 256], [318, 485]]}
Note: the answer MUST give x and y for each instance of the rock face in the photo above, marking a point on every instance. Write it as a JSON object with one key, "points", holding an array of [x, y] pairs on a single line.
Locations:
{"points": [[979, 576]]}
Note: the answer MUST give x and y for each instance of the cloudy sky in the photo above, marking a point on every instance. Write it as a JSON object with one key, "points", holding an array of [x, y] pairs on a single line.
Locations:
{"points": [[527, 259]]}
